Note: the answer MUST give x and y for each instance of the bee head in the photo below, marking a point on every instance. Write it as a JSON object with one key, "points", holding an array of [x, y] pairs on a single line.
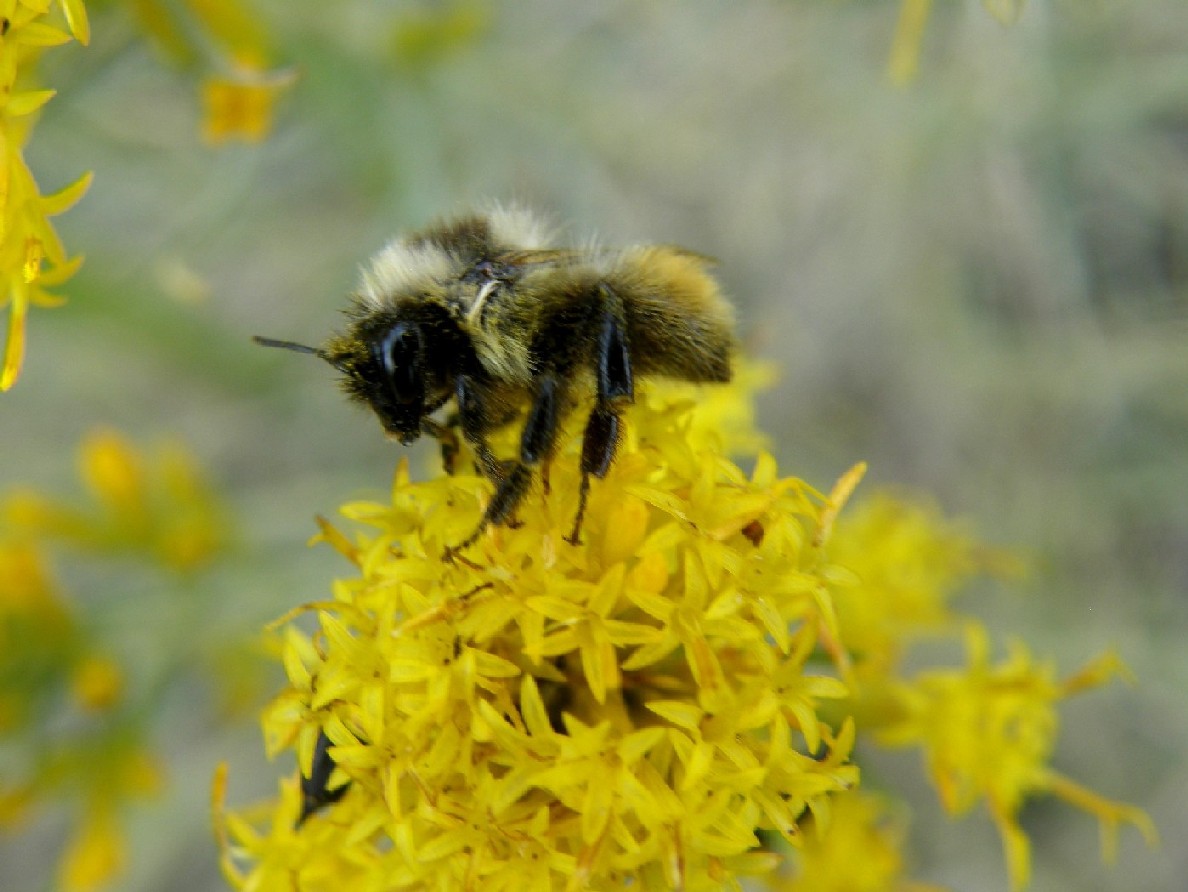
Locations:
{"points": [[398, 355], [399, 364]]}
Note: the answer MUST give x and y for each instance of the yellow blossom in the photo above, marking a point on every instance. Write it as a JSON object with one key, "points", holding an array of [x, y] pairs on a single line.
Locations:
{"points": [[241, 105], [987, 732], [97, 683], [63, 698], [901, 563], [859, 850], [671, 704], [95, 854], [909, 35], [37, 633], [97, 850], [28, 243], [420, 36], [547, 716], [154, 502]]}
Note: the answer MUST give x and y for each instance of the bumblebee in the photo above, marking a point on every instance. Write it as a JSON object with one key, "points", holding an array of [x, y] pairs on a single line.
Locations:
{"points": [[481, 312]]}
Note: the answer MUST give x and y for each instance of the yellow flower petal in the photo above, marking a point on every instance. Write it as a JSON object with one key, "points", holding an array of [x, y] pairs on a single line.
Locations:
{"points": [[909, 35], [95, 855]]}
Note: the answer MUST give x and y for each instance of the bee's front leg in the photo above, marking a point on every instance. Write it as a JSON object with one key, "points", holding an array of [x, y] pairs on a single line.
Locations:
{"points": [[474, 417], [447, 438], [537, 441]]}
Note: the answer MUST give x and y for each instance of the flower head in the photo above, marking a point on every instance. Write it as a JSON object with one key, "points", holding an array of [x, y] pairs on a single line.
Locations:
{"points": [[32, 257], [543, 715], [672, 704], [987, 732]]}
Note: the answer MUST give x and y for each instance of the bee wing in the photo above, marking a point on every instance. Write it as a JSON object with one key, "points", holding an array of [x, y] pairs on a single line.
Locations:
{"points": [[542, 256], [556, 256]]}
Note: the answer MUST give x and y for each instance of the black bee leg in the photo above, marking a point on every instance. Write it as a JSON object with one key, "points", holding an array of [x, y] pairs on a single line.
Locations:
{"points": [[616, 388], [473, 417], [536, 446], [604, 429], [447, 438], [315, 792]]}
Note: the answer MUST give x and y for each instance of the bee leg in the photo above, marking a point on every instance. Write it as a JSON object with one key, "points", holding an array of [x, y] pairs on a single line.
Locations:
{"points": [[474, 419], [536, 446], [447, 438], [616, 388], [315, 792]]}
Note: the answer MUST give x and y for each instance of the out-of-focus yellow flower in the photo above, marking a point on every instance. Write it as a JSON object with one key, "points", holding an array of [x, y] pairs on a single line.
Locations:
{"points": [[97, 683], [907, 562], [909, 33], [63, 709], [241, 105], [421, 36], [37, 633], [909, 36], [987, 732], [28, 243], [97, 850], [544, 716], [860, 849], [96, 853], [157, 503], [25, 584], [226, 37]]}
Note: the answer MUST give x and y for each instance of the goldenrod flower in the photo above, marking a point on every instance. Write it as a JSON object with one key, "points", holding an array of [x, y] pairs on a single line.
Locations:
{"points": [[655, 708], [97, 683], [64, 710], [97, 851], [987, 732], [240, 105], [906, 563], [155, 503], [241, 86], [37, 633], [544, 716], [859, 851], [28, 243]]}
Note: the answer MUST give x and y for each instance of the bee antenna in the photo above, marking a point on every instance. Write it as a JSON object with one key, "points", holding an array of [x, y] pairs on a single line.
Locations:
{"points": [[295, 347]]}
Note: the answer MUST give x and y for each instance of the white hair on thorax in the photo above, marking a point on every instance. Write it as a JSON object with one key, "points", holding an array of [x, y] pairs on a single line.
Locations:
{"points": [[399, 267], [516, 226]]}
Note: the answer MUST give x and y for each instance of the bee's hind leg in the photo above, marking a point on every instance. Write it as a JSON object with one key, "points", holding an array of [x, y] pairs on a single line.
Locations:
{"points": [[615, 389]]}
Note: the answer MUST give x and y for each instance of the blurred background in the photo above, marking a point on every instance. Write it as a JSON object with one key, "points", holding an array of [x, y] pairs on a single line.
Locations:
{"points": [[974, 278]]}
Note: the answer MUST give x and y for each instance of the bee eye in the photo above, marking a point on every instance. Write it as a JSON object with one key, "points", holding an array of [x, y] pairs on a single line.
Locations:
{"points": [[400, 353]]}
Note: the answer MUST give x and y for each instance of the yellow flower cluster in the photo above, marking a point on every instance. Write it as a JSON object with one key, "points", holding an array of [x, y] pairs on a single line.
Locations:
{"points": [[544, 716], [986, 730], [158, 505], [32, 257], [68, 728], [655, 708]]}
